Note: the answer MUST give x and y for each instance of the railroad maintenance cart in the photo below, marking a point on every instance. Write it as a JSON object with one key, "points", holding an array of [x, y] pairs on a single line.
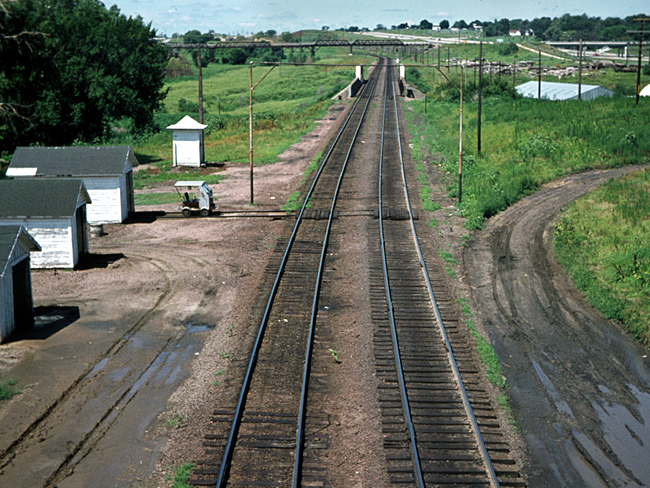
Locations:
{"points": [[197, 198]]}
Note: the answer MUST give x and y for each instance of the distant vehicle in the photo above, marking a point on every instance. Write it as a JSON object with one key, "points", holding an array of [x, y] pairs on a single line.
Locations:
{"points": [[197, 198]]}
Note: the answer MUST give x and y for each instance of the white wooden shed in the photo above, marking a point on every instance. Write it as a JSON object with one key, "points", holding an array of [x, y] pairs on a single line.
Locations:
{"points": [[107, 173], [188, 142], [54, 212], [16, 302]]}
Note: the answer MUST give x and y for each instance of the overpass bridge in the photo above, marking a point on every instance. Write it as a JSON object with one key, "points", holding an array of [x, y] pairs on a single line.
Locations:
{"points": [[312, 46]]}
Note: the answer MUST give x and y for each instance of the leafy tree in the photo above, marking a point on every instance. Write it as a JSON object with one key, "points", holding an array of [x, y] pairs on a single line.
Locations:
{"points": [[195, 37], [70, 67], [403, 25], [540, 26], [426, 25], [444, 24], [460, 24], [271, 33], [235, 56], [287, 37], [325, 27], [380, 27]]}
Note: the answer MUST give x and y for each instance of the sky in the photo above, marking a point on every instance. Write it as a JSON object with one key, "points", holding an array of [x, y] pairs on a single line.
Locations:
{"points": [[251, 16]]}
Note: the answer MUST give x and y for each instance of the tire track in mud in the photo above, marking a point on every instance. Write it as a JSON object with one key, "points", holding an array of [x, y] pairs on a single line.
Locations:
{"points": [[84, 403], [576, 381]]}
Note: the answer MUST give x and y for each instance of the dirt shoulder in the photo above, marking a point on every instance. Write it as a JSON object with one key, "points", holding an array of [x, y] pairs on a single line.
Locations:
{"points": [[579, 387]]}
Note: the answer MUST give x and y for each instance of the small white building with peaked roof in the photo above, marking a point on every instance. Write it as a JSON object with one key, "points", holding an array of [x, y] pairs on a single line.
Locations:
{"points": [[53, 211], [188, 142], [16, 301], [107, 173]]}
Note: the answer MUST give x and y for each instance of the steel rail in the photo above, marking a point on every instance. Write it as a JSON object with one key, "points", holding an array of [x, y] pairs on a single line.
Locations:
{"points": [[494, 482], [314, 309], [228, 452], [417, 467]]}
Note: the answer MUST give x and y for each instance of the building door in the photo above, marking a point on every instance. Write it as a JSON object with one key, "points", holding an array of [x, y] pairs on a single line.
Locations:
{"points": [[82, 232], [130, 198], [23, 303]]}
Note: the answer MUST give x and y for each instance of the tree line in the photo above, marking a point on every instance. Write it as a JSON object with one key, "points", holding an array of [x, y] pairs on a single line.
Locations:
{"points": [[69, 69], [565, 28]]}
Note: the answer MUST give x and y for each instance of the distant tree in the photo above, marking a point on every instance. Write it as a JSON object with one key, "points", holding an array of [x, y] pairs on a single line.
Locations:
{"points": [[73, 69], [460, 24], [325, 27], [235, 56], [444, 24], [380, 27], [403, 25], [353, 28], [426, 25], [288, 37], [540, 26], [195, 37], [271, 33], [503, 27], [477, 23]]}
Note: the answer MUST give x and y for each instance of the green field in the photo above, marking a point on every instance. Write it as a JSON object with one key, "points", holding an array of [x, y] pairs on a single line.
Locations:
{"points": [[526, 143], [286, 105], [603, 241]]}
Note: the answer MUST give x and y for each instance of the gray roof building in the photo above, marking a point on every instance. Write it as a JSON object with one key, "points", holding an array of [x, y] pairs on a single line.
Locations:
{"points": [[16, 303], [562, 91], [54, 213], [107, 172], [27, 198], [75, 161]]}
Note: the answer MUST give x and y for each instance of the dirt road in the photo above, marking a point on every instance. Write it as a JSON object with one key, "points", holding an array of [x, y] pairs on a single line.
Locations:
{"points": [[580, 388]]}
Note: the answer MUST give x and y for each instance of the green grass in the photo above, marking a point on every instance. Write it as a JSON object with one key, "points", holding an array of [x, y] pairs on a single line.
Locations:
{"points": [[286, 105], [603, 241], [7, 389], [156, 198], [294, 202], [526, 143], [182, 475]]}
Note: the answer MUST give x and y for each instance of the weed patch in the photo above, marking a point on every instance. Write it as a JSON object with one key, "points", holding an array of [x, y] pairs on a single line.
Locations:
{"points": [[602, 241], [8, 389]]}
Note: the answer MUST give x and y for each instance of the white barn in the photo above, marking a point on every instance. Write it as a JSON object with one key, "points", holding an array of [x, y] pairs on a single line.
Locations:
{"points": [[16, 302], [54, 212], [106, 171], [188, 142]]}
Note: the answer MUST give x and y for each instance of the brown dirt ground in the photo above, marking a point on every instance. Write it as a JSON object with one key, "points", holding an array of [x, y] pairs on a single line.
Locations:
{"points": [[160, 278]]}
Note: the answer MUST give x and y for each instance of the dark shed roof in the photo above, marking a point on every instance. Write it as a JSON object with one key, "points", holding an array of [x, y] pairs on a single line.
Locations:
{"points": [[9, 235], [72, 161], [34, 197]]}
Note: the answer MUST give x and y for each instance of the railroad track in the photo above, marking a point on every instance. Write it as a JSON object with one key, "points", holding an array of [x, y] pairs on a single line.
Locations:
{"points": [[432, 435]]}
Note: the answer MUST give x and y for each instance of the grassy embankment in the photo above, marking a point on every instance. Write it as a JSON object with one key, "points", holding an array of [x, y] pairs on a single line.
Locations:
{"points": [[286, 105], [603, 241], [526, 143]]}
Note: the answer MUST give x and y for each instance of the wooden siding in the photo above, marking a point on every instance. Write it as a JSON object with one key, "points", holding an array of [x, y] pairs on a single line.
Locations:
{"points": [[7, 319], [56, 238], [108, 205]]}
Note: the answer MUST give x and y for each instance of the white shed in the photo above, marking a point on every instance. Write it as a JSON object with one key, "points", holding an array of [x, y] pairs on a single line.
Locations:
{"points": [[107, 173], [551, 90], [16, 302], [188, 142], [54, 212]]}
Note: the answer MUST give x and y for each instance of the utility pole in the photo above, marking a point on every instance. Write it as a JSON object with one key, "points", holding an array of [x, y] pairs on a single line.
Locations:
{"points": [[200, 87], [480, 89], [580, 73], [539, 77], [638, 71], [460, 147]]}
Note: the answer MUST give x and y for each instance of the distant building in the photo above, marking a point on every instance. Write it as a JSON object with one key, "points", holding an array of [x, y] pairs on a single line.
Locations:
{"points": [[16, 302], [107, 173], [188, 142], [54, 212], [562, 91]]}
